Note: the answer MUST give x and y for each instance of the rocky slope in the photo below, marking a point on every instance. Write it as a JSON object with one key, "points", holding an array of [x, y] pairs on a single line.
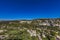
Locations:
{"points": [[36, 29]]}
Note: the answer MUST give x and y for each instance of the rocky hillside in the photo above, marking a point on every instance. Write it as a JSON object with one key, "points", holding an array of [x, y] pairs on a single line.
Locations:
{"points": [[36, 29]]}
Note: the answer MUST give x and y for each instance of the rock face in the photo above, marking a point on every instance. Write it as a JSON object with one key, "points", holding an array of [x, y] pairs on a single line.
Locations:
{"points": [[32, 32], [3, 36], [1, 31], [58, 37]]}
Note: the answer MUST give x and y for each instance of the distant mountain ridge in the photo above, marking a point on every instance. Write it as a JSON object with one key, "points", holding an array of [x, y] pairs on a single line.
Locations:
{"points": [[27, 19], [41, 21]]}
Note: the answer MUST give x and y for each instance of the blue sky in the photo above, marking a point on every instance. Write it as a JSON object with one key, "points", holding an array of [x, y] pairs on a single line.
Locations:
{"points": [[29, 9]]}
